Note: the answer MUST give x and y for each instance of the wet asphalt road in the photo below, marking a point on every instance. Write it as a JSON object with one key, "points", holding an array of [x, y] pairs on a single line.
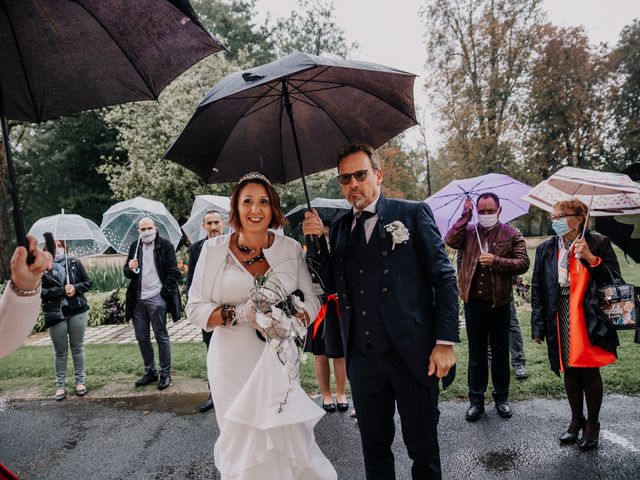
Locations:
{"points": [[144, 439]]}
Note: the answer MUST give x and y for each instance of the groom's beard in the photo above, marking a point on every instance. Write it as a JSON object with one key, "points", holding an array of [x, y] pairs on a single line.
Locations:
{"points": [[357, 201]]}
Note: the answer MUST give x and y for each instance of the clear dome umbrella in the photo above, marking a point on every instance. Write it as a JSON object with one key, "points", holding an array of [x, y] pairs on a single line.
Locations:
{"points": [[120, 222], [82, 236], [201, 205]]}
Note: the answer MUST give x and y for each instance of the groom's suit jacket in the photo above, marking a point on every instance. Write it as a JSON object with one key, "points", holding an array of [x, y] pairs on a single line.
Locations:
{"points": [[418, 295]]}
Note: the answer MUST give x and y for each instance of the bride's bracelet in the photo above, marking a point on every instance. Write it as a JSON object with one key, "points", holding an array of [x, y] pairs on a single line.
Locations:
{"points": [[228, 314]]}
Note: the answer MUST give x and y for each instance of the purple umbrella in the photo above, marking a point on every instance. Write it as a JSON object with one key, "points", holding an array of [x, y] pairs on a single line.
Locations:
{"points": [[447, 203]]}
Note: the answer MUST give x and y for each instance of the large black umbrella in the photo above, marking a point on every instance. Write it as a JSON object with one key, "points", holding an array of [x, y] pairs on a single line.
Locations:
{"points": [[289, 117], [624, 230], [63, 56]]}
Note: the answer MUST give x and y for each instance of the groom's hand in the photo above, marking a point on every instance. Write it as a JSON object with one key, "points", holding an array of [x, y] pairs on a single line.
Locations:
{"points": [[312, 224], [441, 360]]}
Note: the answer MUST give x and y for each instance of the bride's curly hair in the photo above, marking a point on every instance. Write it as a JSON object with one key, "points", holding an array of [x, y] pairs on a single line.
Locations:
{"points": [[278, 220]]}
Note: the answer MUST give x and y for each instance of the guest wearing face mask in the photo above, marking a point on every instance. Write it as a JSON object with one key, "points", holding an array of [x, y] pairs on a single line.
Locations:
{"points": [[492, 252], [65, 316], [153, 291]]}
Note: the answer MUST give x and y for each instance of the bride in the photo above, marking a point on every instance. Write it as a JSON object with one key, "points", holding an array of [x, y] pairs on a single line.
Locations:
{"points": [[266, 420]]}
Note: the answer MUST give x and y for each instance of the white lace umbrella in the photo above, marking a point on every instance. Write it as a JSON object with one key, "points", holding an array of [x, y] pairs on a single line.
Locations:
{"points": [[202, 204], [82, 236], [120, 222], [607, 194]]}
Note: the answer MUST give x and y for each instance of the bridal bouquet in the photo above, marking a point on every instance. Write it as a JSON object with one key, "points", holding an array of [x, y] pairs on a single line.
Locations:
{"points": [[282, 321]]}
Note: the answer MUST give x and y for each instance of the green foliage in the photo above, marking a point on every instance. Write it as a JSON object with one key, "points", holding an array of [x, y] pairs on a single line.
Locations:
{"points": [[97, 302], [107, 277], [56, 165]]}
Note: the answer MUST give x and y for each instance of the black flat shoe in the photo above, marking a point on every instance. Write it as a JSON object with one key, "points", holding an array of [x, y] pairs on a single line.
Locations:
{"points": [[61, 396], [342, 407], [164, 382], [571, 435], [504, 410], [206, 406], [329, 407], [474, 412], [589, 440], [146, 379]]}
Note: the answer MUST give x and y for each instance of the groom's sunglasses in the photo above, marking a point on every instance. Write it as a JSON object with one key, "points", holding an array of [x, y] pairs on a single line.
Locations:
{"points": [[360, 175]]}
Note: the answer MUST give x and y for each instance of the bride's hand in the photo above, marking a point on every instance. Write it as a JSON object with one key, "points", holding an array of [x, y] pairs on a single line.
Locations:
{"points": [[246, 313]]}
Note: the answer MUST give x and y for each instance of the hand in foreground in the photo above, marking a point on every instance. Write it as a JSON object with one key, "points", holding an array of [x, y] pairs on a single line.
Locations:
{"points": [[581, 250], [312, 224], [27, 277], [487, 259], [133, 264], [442, 359]]}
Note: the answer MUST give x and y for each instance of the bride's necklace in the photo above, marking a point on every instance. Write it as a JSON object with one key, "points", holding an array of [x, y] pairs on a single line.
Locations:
{"points": [[245, 249]]}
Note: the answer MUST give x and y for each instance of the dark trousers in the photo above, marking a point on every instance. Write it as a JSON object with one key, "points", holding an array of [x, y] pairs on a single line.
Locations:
{"points": [[487, 326], [378, 383], [516, 344], [152, 312]]}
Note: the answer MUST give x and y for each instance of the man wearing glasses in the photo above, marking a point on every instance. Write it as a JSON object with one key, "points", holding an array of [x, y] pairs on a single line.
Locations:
{"points": [[398, 307], [492, 252]]}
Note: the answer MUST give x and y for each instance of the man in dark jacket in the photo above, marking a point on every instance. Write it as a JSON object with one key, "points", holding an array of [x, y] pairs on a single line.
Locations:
{"points": [[213, 225], [153, 291], [492, 252], [398, 312]]}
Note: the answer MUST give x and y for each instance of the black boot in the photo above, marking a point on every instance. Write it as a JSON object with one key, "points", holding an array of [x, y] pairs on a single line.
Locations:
{"points": [[571, 435], [590, 436], [206, 406]]}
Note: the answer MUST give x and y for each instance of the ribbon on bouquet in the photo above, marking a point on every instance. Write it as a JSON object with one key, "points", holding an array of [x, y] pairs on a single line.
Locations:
{"points": [[323, 313]]}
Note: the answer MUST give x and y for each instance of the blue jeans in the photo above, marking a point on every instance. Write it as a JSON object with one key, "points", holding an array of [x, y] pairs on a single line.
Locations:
{"points": [[152, 312], [69, 332]]}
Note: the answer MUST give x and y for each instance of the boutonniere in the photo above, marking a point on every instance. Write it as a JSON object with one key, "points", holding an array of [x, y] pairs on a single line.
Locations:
{"points": [[399, 233]]}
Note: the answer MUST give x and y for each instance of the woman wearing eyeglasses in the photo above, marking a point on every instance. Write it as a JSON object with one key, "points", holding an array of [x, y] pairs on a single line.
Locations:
{"points": [[568, 271]]}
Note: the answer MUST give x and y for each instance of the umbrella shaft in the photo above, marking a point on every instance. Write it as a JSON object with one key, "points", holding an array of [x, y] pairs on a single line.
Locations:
{"points": [[17, 212]]}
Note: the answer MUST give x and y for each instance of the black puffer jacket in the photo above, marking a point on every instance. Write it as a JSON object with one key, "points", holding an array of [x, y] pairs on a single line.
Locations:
{"points": [[56, 306], [545, 294]]}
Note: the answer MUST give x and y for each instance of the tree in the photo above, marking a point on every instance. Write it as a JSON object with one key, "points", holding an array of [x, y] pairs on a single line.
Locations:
{"points": [[56, 164], [313, 31], [147, 129], [565, 109], [478, 51], [232, 23], [404, 171], [625, 96]]}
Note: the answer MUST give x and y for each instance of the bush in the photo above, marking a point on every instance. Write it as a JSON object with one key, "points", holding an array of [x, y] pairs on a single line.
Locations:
{"points": [[97, 302], [107, 278]]}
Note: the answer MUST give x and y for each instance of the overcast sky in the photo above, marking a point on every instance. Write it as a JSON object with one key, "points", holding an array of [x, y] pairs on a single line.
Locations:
{"points": [[391, 33]]}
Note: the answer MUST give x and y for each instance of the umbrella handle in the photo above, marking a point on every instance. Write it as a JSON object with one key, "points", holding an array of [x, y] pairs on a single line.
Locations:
{"points": [[312, 241]]}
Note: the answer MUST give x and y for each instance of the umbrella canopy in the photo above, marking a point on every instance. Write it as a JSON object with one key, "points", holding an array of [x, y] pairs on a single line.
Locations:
{"points": [[329, 209], [82, 236], [298, 110], [61, 56], [203, 203], [624, 230], [606, 193], [447, 203], [120, 222]]}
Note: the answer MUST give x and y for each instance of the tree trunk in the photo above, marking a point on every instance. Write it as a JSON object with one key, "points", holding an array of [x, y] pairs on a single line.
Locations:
{"points": [[6, 232]]}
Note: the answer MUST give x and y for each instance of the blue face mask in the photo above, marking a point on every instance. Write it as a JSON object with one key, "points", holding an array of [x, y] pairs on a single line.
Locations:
{"points": [[561, 227]]}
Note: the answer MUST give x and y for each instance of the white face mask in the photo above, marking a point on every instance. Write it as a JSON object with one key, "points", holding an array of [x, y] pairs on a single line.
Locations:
{"points": [[60, 252], [488, 221], [148, 236]]}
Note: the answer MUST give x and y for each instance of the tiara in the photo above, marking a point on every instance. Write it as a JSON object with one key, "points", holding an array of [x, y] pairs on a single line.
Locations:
{"points": [[254, 176]]}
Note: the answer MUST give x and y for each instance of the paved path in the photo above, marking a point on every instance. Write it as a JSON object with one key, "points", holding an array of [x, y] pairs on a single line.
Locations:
{"points": [[157, 438], [180, 332]]}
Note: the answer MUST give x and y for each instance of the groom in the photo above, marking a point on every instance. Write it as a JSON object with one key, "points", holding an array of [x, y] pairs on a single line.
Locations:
{"points": [[398, 311]]}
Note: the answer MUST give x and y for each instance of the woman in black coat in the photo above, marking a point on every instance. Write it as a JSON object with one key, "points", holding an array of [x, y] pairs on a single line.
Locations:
{"points": [[66, 314], [567, 273]]}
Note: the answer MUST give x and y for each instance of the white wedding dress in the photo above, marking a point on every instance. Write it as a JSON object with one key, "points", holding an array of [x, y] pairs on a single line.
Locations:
{"points": [[248, 384]]}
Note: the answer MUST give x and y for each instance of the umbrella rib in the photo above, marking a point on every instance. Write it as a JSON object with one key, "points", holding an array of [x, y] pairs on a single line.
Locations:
{"points": [[328, 115], [135, 67], [251, 112], [22, 64]]}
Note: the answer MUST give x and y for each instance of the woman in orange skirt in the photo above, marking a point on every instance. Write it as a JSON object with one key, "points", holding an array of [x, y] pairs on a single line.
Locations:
{"points": [[568, 271]]}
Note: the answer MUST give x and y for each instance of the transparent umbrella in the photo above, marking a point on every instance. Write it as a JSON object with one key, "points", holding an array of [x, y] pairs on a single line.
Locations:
{"points": [[201, 205], [120, 222], [82, 236]]}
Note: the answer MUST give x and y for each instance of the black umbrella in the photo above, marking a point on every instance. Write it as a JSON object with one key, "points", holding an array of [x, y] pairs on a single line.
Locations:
{"points": [[299, 107], [329, 209], [624, 230], [63, 56]]}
